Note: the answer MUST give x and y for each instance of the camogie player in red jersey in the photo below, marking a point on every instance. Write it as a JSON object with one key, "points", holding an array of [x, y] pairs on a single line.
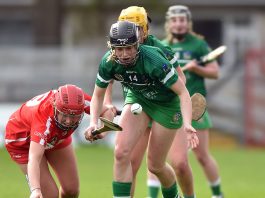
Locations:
{"points": [[39, 133]]}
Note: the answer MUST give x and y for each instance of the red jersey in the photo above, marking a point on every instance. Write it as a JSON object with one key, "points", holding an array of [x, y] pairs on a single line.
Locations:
{"points": [[34, 121]]}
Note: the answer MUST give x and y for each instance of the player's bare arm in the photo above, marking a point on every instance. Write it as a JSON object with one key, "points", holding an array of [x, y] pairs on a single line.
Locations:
{"points": [[108, 104], [210, 70], [181, 74], [185, 101], [108, 94], [95, 111], [96, 104], [36, 152]]}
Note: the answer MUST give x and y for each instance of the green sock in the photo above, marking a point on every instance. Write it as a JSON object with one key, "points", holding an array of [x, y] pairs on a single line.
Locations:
{"points": [[153, 188], [192, 196], [216, 190], [153, 191], [170, 192], [216, 187], [121, 189]]}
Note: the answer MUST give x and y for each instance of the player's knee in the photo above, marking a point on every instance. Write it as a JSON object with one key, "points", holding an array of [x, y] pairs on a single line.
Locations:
{"points": [[70, 192], [203, 159], [154, 168], [122, 154], [180, 167], [51, 193]]}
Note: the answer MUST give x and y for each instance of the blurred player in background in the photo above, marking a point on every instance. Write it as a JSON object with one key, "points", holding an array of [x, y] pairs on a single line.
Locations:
{"points": [[138, 15], [189, 48], [39, 133], [152, 82]]}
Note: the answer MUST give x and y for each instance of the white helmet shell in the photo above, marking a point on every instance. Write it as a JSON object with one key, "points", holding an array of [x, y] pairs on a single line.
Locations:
{"points": [[178, 10]]}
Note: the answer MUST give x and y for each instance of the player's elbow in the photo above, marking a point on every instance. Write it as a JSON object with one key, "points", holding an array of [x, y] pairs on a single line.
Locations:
{"points": [[213, 70], [215, 76]]}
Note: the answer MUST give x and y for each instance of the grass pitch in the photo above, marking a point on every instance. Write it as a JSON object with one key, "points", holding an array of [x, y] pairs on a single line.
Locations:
{"points": [[242, 173]]}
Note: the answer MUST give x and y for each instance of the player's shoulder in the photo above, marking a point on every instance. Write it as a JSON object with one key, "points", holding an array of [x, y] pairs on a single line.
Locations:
{"points": [[197, 38], [149, 50], [150, 38], [107, 60], [36, 111], [107, 53], [106, 56], [40, 100], [151, 53], [165, 42], [45, 107], [87, 96], [154, 41], [152, 56]]}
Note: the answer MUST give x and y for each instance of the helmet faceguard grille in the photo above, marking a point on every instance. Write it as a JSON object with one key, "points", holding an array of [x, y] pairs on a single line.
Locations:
{"points": [[69, 103]]}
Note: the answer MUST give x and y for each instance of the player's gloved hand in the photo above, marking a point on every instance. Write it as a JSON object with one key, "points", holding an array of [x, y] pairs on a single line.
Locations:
{"points": [[89, 136], [193, 140], [36, 193]]}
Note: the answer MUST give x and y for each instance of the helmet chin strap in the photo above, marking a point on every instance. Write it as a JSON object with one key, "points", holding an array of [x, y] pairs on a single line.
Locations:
{"points": [[61, 126], [179, 37], [64, 128]]}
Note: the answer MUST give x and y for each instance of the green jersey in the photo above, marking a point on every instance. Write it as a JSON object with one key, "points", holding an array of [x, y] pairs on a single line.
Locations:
{"points": [[150, 78], [153, 41], [191, 48]]}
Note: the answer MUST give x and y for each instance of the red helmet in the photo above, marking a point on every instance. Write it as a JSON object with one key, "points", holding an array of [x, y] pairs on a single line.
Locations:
{"points": [[69, 101]]}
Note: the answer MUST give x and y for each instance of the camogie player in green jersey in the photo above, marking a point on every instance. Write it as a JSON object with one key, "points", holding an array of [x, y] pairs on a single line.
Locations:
{"points": [[189, 48], [139, 16], [154, 84]]}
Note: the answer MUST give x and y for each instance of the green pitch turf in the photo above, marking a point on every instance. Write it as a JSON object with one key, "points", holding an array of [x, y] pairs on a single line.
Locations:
{"points": [[242, 174]]}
